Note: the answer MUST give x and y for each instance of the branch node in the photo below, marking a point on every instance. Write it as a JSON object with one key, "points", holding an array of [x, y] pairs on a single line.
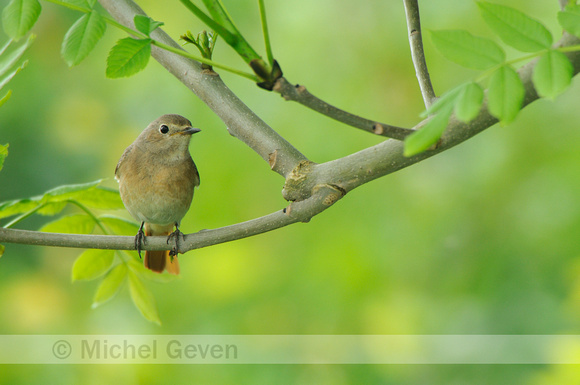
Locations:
{"points": [[293, 187]]}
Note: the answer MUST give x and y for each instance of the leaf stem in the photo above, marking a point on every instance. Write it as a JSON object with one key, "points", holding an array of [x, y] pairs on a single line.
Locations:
{"points": [[23, 216], [90, 214], [204, 60], [141, 35], [265, 32]]}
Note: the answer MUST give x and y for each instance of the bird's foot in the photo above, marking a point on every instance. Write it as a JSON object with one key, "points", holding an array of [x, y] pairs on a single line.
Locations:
{"points": [[177, 235], [140, 239]]}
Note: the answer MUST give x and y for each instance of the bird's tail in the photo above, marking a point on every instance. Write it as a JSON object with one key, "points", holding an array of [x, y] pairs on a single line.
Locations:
{"points": [[158, 261]]}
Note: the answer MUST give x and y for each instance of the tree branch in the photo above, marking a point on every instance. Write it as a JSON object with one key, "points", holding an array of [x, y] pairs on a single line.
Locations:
{"points": [[417, 53], [324, 197], [240, 121], [299, 94], [384, 158], [312, 187]]}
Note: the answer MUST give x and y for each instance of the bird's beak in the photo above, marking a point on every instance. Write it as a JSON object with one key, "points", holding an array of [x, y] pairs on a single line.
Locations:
{"points": [[189, 131]]}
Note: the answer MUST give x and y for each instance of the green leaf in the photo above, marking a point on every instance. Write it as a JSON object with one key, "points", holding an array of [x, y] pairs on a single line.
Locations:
{"points": [[92, 264], [469, 102], [3, 154], [82, 37], [70, 191], [429, 134], [2, 249], [9, 60], [552, 74], [5, 98], [53, 201], [506, 94], [18, 206], [19, 16], [143, 298], [110, 285], [146, 24], [445, 102], [119, 226], [100, 198], [516, 28], [52, 208], [9, 77], [128, 57], [463, 48], [71, 224], [569, 19]]}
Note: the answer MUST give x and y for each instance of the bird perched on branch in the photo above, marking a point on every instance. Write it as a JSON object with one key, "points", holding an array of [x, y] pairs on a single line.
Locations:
{"points": [[156, 178]]}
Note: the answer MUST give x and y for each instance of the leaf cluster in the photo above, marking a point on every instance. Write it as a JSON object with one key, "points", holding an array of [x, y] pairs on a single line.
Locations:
{"points": [[505, 91], [114, 267]]}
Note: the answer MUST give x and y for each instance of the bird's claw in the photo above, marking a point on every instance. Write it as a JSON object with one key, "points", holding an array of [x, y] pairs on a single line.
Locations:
{"points": [[177, 234], [139, 239]]}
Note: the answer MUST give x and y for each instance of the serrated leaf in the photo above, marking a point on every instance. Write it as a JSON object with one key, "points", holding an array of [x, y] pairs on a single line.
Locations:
{"points": [[110, 285], [569, 19], [82, 37], [128, 57], [119, 226], [100, 198], [19, 17], [469, 102], [506, 94], [5, 99], [470, 51], [18, 206], [145, 24], [9, 60], [516, 28], [92, 264], [71, 224], [143, 298], [552, 74], [429, 134], [142, 271], [65, 192], [3, 154]]}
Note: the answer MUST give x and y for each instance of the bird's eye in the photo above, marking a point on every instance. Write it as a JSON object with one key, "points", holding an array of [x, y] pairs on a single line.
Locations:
{"points": [[163, 129]]}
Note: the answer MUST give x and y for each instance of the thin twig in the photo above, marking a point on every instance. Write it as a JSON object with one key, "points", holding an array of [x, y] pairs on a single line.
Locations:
{"points": [[563, 3], [301, 95], [417, 53]]}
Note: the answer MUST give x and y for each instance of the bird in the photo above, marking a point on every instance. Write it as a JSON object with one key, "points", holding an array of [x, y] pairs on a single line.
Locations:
{"points": [[157, 177]]}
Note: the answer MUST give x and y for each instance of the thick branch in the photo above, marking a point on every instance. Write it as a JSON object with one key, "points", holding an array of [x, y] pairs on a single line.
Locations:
{"points": [[417, 53], [324, 197], [384, 158], [301, 95], [240, 121]]}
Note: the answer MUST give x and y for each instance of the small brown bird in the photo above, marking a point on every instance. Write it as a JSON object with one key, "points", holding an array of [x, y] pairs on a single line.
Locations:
{"points": [[156, 178]]}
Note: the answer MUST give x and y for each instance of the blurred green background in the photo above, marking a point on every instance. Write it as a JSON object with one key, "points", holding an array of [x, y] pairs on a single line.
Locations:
{"points": [[482, 239]]}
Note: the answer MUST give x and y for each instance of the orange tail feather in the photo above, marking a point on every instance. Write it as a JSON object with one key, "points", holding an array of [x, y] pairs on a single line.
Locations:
{"points": [[158, 261]]}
